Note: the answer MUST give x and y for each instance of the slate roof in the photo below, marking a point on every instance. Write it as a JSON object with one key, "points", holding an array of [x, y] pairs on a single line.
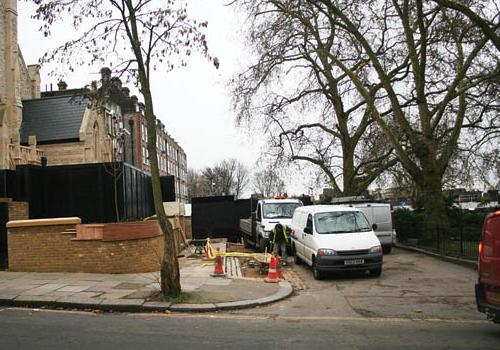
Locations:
{"points": [[52, 119]]}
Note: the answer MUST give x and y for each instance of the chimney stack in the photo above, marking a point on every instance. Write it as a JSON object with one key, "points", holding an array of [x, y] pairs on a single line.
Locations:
{"points": [[126, 92], [62, 85], [105, 74], [117, 83]]}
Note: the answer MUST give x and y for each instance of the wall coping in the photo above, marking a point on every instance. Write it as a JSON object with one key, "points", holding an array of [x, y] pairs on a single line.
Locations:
{"points": [[44, 222]]}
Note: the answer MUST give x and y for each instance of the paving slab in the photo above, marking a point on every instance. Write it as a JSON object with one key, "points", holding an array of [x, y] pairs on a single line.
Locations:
{"points": [[35, 292], [7, 297], [36, 299], [140, 294], [57, 294], [76, 301], [74, 289], [117, 294], [130, 292], [51, 286]]}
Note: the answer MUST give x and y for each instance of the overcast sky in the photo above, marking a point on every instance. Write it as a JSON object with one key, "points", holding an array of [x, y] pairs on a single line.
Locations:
{"points": [[193, 102]]}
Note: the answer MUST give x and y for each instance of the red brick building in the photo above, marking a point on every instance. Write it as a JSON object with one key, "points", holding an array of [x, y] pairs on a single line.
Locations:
{"points": [[171, 157]]}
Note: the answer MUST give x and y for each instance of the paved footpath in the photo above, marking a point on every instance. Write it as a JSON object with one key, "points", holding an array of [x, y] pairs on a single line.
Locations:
{"points": [[132, 292]]}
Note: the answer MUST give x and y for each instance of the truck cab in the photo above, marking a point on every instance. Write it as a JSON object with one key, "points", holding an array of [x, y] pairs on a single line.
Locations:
{"points": [[268, 213], [488, 285]]}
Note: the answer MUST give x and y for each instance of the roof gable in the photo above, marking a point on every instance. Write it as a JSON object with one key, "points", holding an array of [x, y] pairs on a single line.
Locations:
{"points": [[52, 119]]}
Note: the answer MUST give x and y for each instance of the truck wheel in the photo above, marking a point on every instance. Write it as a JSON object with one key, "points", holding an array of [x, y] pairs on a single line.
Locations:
{"points": [[376, 272], [387, 249], [297, 259], [246, 242], [318, 275]]}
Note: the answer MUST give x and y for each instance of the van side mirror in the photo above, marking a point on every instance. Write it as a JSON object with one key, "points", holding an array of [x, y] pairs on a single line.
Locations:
{"points": [[308, 230], [374, 226]]}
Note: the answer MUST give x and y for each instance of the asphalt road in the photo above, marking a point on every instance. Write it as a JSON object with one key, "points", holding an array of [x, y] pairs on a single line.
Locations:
{"points": [[26, 329], [418, 303]]}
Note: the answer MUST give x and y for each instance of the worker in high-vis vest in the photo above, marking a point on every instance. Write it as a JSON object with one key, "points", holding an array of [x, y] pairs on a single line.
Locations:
{"points": [[280, 241]]}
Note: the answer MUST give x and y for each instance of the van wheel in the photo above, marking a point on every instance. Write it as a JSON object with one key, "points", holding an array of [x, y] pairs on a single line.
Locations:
{"points": [[387, 249], [318, 275], [298, 261], [376, 272]]}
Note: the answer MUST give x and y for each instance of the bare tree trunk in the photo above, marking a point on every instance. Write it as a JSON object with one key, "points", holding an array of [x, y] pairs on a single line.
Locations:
{"points": [[169, 273], [436, 224]]}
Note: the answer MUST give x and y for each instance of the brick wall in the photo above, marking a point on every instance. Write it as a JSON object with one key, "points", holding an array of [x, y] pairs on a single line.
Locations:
{"points": [[119, 231], [64, 153], [18, 211], [53, 248]]}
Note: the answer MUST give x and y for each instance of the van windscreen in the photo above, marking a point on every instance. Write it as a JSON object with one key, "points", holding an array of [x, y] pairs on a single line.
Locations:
{"points": [[341, 222]]}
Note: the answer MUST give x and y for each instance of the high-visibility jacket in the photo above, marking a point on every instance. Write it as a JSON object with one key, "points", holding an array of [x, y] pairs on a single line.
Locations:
{"points": [[284, 233]]}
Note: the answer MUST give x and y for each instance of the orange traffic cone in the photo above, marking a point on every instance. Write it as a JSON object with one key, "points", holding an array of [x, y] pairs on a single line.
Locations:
{"points": [[209, 252], [273, 275], [219, 270]]}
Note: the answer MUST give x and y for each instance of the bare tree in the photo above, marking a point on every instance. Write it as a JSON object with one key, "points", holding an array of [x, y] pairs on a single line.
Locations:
{"points": [[306, 104], [268, 183], [229, 177], [196, 184], [441, 103], [135, 38], [489, 26], [241, 180]]}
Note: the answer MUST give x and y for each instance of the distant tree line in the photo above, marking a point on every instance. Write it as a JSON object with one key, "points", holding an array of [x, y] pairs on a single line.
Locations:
{"points": [[231, 177]]}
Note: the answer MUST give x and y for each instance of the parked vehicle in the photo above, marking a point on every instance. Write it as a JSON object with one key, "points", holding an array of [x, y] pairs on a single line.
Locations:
{"points": [[256, 229], [488, 285], [335, 238], [378, 214]]}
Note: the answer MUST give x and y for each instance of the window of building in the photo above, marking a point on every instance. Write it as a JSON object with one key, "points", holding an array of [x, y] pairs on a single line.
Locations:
{"points": [[96, 141]]}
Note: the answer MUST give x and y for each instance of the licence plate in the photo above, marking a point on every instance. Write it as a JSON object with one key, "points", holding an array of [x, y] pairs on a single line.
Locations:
{"points": [[354, 262], [493, 297]]}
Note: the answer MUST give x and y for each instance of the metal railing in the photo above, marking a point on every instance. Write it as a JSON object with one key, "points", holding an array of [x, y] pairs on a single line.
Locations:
{"points": [[461, 241]]}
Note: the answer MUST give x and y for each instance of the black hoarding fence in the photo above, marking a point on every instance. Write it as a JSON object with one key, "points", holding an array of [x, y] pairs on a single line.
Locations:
{"points": [[167, 188], [86, 191], [218, 217], [7, 183], [4, 217]]}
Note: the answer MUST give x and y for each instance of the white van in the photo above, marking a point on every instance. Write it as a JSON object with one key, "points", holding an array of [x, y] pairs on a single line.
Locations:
{"points": [[335, 238], [380, 215]]}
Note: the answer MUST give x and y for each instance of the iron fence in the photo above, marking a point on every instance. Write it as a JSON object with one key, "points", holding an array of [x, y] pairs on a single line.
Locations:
{"points": [[461, 239]]}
